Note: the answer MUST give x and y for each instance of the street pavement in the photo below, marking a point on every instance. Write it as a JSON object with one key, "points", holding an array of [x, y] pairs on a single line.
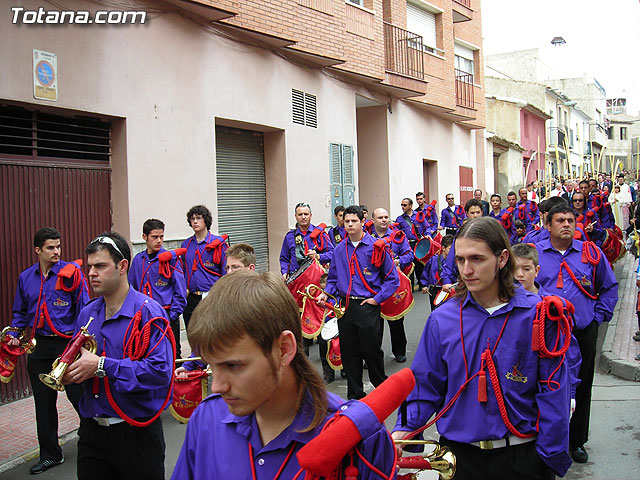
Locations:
{"points": [[614, 445]]}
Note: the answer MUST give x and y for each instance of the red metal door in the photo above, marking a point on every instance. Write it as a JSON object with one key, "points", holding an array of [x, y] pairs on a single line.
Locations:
{"points": [[70, 195], [466, 184]]}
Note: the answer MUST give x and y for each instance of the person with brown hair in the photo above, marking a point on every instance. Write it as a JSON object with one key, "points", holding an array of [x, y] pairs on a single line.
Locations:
{"points": [[502, 407], [268, 400]]}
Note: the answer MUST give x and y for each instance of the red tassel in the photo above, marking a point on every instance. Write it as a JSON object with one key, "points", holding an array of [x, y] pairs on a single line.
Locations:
{"points": [[482, 387], [560, 282], [535, 338], [351, 473]]}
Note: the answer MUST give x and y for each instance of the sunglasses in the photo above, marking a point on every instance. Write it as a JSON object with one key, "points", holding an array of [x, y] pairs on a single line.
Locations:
{"points": [[578, 200], [108, 241], [404, 204]]}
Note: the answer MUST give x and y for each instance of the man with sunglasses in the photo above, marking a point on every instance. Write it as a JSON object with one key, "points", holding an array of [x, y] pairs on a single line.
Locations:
{"points": [[452, 216], [127, 382], [49, 298]]}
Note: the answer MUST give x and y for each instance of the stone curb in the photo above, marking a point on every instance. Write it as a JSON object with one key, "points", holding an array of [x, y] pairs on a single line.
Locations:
{"points": [[609, 362]]}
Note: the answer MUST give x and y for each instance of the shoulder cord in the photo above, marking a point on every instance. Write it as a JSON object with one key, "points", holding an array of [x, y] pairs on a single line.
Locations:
{"points": [[590, 254], [351, 471], [135, 345], [42, 314], [486, 360], [197, 260]]}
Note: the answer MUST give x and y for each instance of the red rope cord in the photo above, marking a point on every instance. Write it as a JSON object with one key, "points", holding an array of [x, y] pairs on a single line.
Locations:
{"points": [[133, 349]]}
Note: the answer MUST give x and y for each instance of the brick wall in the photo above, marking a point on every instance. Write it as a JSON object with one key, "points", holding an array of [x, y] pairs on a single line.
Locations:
{"points": [[341, 30]]}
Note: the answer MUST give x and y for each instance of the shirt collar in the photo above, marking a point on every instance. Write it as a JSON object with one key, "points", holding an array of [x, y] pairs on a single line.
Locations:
{"points": [[366, 239], [311, 228], [518, 300], [546, 245], [55, 269], [247, 426], [145, 254]]}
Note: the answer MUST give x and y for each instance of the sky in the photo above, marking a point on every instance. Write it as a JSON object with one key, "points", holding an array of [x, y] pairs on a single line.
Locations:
{"points": [[603, 38]]}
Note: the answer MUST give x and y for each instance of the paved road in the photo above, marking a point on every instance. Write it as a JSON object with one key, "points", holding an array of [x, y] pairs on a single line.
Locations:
{"points": [[614, 445]]}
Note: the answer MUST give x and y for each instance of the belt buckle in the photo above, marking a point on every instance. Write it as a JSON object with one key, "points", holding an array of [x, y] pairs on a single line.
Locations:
{"points": [[486, 444], [103, 422]]}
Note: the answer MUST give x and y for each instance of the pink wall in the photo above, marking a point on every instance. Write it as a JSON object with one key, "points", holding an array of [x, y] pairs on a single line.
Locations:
{"points": [[532, 127]]}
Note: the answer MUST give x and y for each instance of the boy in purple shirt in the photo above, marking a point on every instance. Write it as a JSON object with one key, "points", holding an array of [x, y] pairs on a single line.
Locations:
{"points": [[268, 400], [204, 260], [162, 280], [361, 285], [48, 303], [475, 355]]}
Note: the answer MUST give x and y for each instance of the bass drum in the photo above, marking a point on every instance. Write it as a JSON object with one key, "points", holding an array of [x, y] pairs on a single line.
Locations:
{"points": [[401, 302], [309, 272]]}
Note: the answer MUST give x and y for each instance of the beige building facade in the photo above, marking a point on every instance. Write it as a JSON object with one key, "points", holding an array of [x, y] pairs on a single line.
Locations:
{"points": [[315, 92]]}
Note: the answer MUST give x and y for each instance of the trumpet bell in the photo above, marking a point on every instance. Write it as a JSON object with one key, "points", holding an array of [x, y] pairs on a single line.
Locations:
{"points": [[54, 378], [445, 464]]}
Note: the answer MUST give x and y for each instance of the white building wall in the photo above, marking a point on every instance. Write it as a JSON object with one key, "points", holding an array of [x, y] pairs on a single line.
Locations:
{"points": [[169, 80], [416, 135]]}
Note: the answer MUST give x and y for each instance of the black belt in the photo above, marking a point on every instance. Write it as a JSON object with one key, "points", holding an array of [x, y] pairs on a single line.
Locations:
{"points": [[351, 297]]}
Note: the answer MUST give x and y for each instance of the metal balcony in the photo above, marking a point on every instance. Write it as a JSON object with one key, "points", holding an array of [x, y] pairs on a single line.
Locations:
{"points": [[403, 51], [464, 89]]}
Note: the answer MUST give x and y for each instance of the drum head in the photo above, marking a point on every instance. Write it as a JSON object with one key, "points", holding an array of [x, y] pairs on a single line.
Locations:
{"points": [[330, 329], [422, 249], [441, 297]]}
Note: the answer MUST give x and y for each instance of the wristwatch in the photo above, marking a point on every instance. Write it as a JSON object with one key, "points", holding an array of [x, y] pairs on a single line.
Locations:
{"points": [[100, 373]]}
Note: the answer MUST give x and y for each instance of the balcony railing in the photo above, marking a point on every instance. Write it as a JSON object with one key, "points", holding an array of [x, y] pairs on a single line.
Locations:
{"points": [[466, 3], [403, 51], [464, 89]]}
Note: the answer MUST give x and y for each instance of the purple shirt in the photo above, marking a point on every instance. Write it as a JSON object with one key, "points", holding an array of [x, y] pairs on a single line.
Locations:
{"points": [[63, 307], [432, 273], [321, 244], [449, 268], [402, 251], [574, 357], [511, 232], [536, 236], [217, 442], [439, 368], [139, 387], [341, 281], [528, 213], [145, 277], [337, 235], [405, 223], [200, 269], [606, 286], [452, 217]]}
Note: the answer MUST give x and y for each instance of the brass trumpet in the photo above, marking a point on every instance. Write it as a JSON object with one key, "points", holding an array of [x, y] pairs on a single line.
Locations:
{"points": [[440, 459], [82, 339], [337, 311], [27, 346]]}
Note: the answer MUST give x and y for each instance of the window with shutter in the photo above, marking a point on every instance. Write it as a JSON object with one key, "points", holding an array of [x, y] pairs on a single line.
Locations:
{"points": [[423, 23]]}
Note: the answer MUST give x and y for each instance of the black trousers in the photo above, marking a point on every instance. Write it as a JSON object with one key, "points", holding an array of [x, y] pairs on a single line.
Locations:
{"points": [[45, 398], [519, 462], [579, 426], [398, 337], [418, 267], [120, 451], [359, 331], [175, 328], [192, 302]]}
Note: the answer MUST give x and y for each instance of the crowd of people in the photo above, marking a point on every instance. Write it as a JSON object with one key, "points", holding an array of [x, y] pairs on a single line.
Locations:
{"points": [[506, 364]]}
